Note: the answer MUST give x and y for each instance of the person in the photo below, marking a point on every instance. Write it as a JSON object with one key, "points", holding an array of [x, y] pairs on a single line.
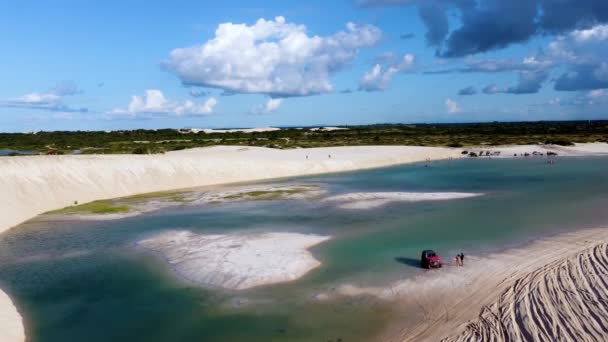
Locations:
{"points": [[458, 262], [461, 259]]}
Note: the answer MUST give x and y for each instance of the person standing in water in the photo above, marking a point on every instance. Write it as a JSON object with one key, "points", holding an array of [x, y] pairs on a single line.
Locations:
{"points": [[461, 259], [458, 261]]}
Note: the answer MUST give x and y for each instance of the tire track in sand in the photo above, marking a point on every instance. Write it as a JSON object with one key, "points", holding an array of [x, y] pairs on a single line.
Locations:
{"points": [[565, 300]]}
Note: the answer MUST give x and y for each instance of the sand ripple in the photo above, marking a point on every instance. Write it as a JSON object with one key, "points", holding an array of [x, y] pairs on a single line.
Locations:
{"points": [[566, 300]]}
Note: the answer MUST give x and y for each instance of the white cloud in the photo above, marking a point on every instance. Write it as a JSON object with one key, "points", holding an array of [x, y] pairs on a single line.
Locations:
{"points": [[379, 79], [154, 102], [271, 57], [51, 100], [270, 106], [451, 106], [273, 104], [597, 96], [579, 46]]}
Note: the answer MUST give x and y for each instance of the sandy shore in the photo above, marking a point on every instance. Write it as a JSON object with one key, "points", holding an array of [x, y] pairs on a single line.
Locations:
{"points": [[236, 261], [551, 289], [369, 200], [564, 151], [33, 185], [11, 327]]}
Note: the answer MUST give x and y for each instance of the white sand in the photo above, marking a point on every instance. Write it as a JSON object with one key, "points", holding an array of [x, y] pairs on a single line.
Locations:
{"points": [[368, 200], [552, 289], [32, 185], [238, 261], [232, 130], [589, 149], [11, 327], [328, 129]]}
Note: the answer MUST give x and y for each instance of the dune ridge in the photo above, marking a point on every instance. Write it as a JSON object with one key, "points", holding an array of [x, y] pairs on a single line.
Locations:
{"points": [[33, 185], [565, 300]]}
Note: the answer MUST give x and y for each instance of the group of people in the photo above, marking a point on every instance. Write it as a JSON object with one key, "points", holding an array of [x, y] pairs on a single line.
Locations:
{"points": [[460, 259]]}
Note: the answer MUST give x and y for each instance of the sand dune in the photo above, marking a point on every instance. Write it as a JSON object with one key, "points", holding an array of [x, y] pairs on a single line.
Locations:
{"points": [[565, 300], [237, 261], [551, 290], [368, 200], [36, 184]]}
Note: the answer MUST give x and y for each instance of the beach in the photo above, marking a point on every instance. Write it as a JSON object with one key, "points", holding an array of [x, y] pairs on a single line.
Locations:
{"points": [[37, 184]]}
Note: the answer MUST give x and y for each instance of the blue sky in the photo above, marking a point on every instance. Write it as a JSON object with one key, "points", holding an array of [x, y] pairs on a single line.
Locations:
{"points": [[68, 65]]}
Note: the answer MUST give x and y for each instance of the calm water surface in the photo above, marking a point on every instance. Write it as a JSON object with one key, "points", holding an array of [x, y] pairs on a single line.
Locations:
{"points": [[87, 281]]}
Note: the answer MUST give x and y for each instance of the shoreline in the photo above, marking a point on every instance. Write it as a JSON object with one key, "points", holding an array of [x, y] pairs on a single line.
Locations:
{"points": [[476, 299], [37, 184]]}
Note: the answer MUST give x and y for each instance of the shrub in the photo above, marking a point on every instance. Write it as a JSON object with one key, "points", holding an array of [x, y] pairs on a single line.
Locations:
{"points": [[140, 150]]}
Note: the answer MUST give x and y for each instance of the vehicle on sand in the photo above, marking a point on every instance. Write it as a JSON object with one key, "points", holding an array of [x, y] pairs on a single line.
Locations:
{"points": [[430, 259]]}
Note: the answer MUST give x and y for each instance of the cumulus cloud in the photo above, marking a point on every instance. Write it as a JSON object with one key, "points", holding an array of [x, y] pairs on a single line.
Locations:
{"points": [[584, 52], [451, 106], [470, 90], [154, 102], [271, 57], [529, 82], [591, 98], [579, 56], [271, 106], [379, 77], [434, 16], [51, 100], [494, 24]]}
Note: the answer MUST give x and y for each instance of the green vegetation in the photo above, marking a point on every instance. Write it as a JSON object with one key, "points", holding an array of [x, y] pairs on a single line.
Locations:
{"points": [[267, 195], [122, 205], [455, 135], [172, 196], [97, 207]]}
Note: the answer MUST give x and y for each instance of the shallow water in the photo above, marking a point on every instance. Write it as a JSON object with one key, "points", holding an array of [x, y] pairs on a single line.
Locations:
{"points": [[88, 281]]}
